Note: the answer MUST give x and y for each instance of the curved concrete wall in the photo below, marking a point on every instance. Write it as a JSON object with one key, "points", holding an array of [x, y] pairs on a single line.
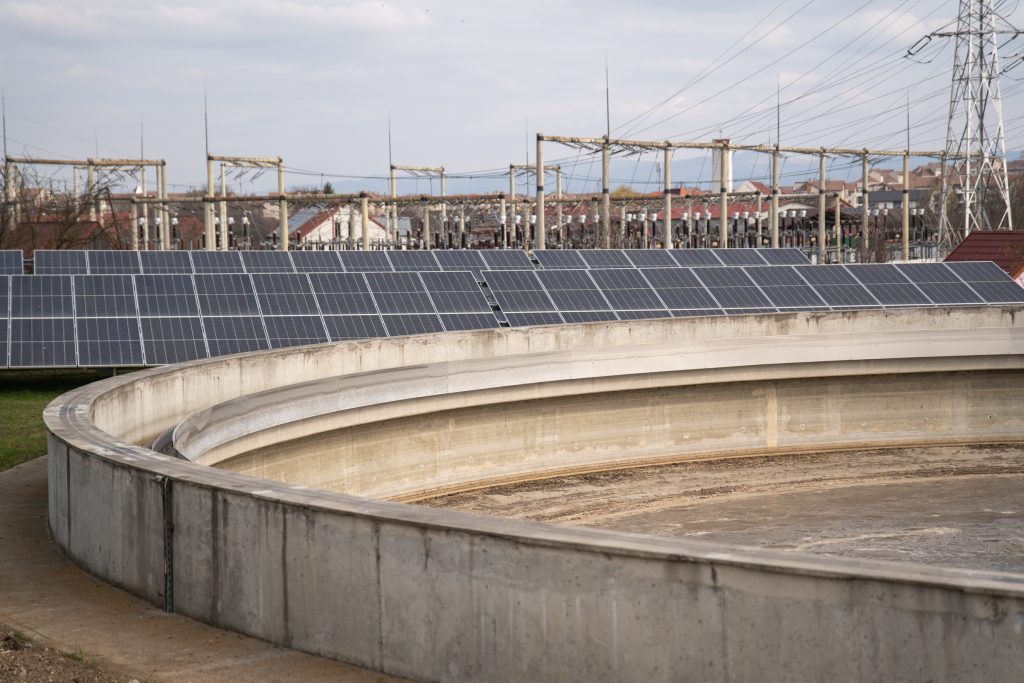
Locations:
{"points": [[439, 595]]}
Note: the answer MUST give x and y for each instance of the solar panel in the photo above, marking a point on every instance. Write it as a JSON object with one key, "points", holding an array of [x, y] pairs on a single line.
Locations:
{"points": [[342, 293], [573, 290], [316, 261], [413, 260], [42, 342], [5, 288], [626, 289], [217, 262], [643, 315], [679, 288], [558, 259], [605, 258], [225, 294], [342, 327], [784, 287], [284, 294], [294, 330], [155, 262], [650, 258], [402, 325], [695, 257], [732, 288], [461, 259], [364, 261], [455, 292], [399, 293], [58, 262], [104, 296], [939, 283], [11, 262], [837, 287], [166, 295], [696, 313], [989, 280], [235, 334], [740, 257], [469, 321], [41, 296], [888, 285], [587, 316], [3, 342], [506, 259], [535, 318], [784, 257], [109, 342], [172, 340], [267, 261], [111, 262]]}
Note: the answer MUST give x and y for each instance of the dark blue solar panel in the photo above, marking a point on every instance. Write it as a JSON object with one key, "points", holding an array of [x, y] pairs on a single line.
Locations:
{"points": [[58, 262], [989, 280], [837, 287], [888, 285], [267, 261], [732, 288], [166, 295], [784, 287], [225, 294], [506, 259], [294, 330], [4, 295], [41, 296], [413, 260], [172, 340], [538, 318], [365, 261], [939, 283], [11, 262], [217, 262], [399, 293], [605, 258], [317, 261], [740, 257], [406, 324], [109, 342], [463, 259], [557, 259], [573, 290], [468, 321], [42, 342], [235, 334], [784, 257], [696, 313], [284, 294], [455, 292], [695, 257], [155, 262], [3, 342], [650, 258], [104, 296], [342, 293], [588, 316], [626, 289], [518, 291], [342, 327], [679, 288], [113, 262], [643, 315]]}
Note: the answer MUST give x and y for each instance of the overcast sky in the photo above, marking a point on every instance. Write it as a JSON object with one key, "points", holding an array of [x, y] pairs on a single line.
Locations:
{"points": [[467, 81]]}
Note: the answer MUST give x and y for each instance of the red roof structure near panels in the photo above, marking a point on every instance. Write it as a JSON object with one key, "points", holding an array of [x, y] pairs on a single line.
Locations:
{"points": [[1004, 247]]}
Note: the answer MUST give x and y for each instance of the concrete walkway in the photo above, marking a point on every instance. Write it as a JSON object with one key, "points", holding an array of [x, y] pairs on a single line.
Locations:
{"points": [[49, 599]]}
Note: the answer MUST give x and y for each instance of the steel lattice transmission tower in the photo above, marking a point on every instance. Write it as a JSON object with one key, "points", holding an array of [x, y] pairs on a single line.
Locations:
{"points": [[974, 168]]}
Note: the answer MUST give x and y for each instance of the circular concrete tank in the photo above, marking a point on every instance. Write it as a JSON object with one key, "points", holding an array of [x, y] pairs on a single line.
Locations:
{"points": [[278, 515]]}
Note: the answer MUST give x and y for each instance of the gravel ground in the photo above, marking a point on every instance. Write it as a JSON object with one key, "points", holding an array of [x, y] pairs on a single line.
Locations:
{"points": [[22, 659]]}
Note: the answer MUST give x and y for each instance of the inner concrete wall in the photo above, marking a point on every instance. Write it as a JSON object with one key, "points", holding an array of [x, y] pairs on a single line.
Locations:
{"points": [[439, 595]]}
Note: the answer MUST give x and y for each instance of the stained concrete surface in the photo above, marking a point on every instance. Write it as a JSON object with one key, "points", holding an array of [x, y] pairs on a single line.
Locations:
{"points": [[958, 506], [52, 601]]}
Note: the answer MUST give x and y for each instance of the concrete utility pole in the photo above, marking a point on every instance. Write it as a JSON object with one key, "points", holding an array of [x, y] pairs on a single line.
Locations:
{"points": [[419, 171], [606, 206], [905, 236], [757, 220], [364, 210], [838, 229], [540, 193], [774, 217], [512, 201], [133, 241], [393, 228], [864, 206], [242, 162], [724, 189], [426, 225], [822, 235], [558, 206], [222, 207], [503, 210], [211, 239], [667, 219], [462, 226], [282, 219]]}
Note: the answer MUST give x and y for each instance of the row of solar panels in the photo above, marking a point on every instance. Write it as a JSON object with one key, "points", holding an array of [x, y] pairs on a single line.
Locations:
{"points": [[130, 320], [62, 262]]}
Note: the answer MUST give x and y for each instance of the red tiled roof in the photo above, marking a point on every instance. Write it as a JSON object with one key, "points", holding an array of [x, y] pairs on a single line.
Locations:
{"points": [[1004, 247]]}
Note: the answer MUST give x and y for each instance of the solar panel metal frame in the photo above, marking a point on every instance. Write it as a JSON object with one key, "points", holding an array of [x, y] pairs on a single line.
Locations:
{"points": [[342, 294], [454, 292], [627, 290], [733, 289], [109, 342], [531, 318], [283, 331], [679, 289], [573, 317], [226, 294], [162, 344], [104, 296], [4, 325], [888, 285], [400, 293], [988, 280], [365, 261], [113, 262], [47, 296], [171, 295], [560, 259], [461, 259], [12, 262], [940, 284], [59, 262], [57, 350], [165, 262], [695, 258], [284, 294], [216, 262], [334, 323], [515, 298], [5, 297], [227, 344], [325, 261], [267, 261], [785, 288], [416, 260], [837, 287]]}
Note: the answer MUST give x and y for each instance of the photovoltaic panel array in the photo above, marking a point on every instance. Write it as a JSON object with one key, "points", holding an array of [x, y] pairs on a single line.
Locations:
{"points": [[837, 287], [733, 289], [455, 292], [461, 259], [557, 259], [605, 258], [989, 281], [740, 257], [11, 263], [628, 291], [343, 294], [939, 284], [518, 291], [784, 287], [404, 304], [695, 258], [42, 323], [157, 262], [413, 260], [267, 262], [888, 285], [172, 331], [573, 290], [284, 294], [784, 257], [650, 258], [316, 261], [506, 259], [217, 262], [364, 261], [680, 289], [112, 262], [58, 262]]}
